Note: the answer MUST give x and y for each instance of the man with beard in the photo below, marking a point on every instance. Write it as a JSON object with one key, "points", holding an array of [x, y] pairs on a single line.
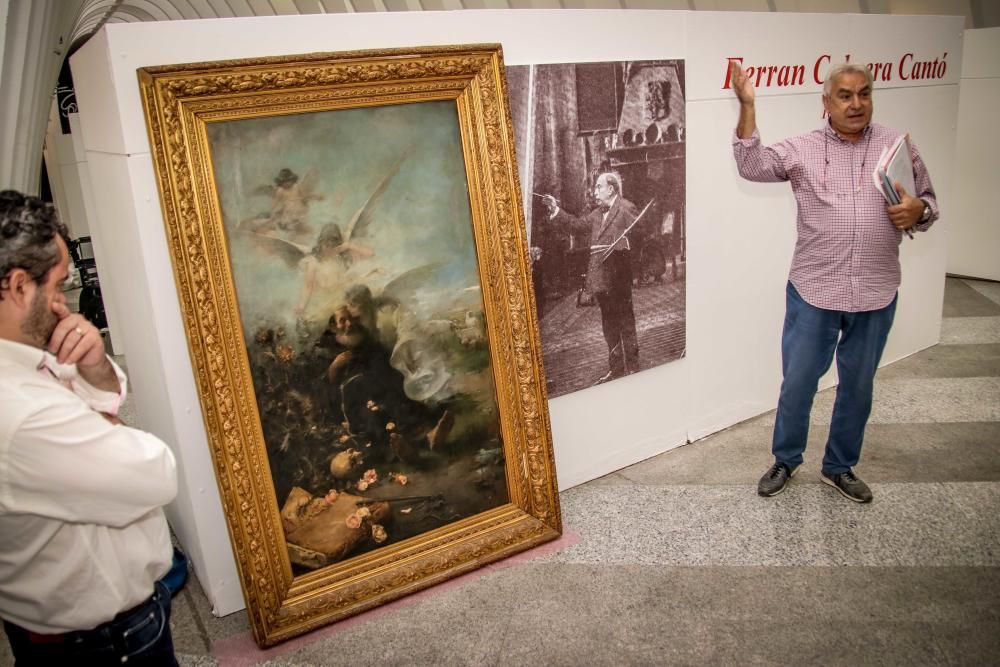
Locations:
{"points": [[369, 391], [85, 542]]}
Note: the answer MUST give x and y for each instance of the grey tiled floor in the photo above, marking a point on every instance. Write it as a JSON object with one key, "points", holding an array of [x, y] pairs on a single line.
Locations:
{"points": [[676, 560]]}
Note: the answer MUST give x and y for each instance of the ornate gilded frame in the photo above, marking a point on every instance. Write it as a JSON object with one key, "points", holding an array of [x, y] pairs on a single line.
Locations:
{"points": [[179, 101]]}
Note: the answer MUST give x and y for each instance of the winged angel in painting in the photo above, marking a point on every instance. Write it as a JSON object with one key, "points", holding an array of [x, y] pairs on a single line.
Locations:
{"points": [[289, 210], [367, 348]]}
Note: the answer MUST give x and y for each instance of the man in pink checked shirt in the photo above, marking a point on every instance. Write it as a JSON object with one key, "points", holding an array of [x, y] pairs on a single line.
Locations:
{"points": [[841, 292], [83, 539]]}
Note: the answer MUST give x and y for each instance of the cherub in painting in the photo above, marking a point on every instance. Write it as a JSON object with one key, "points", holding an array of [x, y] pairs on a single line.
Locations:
{"points": [[334, 261], [289, 212]]}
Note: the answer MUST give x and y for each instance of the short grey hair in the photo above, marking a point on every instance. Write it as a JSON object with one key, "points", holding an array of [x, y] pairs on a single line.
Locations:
{"points": [[846, 68], [28, 228]]}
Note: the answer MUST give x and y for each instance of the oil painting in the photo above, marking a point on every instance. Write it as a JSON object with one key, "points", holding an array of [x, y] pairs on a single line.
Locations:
{"points": [[601, 149], [355, 287], [350, 237]]}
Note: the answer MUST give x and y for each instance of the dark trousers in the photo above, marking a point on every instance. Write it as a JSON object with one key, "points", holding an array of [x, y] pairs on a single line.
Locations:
{"points": [[810, 338], [618, 317], [139, 636]]}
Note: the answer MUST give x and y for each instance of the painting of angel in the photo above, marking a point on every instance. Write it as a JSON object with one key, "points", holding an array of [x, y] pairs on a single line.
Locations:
{"points": [[360, 299], [289, 205]]}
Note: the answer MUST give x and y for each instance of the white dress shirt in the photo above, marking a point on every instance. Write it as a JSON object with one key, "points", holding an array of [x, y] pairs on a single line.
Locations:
{"points": [[82, 530]]}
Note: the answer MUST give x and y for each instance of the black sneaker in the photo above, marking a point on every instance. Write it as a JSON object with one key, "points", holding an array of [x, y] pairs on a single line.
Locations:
{"points": [[849, 485], [774, 480]]}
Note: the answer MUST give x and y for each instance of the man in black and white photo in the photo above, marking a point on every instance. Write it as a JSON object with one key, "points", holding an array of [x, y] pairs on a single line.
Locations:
{"points": [[593, 136], [609, 272]]}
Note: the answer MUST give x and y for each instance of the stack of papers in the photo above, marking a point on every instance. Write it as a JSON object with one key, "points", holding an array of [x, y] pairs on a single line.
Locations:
{"points": [[895, 166]]}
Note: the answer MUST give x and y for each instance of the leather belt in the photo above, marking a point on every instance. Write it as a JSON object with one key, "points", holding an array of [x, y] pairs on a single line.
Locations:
{"points": [[64, 637]]}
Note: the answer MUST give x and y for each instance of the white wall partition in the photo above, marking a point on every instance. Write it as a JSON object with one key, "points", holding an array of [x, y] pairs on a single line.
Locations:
{"points": [[974, 240], [740, 234]]}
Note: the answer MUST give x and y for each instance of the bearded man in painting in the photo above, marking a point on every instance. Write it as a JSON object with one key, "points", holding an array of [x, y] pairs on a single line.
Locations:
{"points": [[371, 396]]}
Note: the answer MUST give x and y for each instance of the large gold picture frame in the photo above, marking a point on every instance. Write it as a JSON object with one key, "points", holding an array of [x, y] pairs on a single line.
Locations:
{"points": [[364, 187]]}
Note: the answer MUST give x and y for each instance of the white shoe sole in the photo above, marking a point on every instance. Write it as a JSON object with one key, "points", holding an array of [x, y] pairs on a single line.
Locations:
{"points": [[827, 480], [772, 495]]}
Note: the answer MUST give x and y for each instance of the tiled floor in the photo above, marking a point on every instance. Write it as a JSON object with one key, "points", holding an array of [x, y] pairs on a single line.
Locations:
{"points": [[676, 561]]}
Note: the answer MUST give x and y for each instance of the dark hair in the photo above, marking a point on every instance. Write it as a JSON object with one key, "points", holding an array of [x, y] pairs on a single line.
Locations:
{"points": [[358, 294], [28, 227], [329, 235], [286, 177]]}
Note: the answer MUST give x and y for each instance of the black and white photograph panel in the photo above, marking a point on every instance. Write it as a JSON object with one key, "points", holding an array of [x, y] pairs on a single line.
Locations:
{"points": [[601, 154]]}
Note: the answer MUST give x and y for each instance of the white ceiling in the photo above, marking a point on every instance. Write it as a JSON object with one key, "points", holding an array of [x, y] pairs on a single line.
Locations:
{"points": [[90, 15], [95, 13]]}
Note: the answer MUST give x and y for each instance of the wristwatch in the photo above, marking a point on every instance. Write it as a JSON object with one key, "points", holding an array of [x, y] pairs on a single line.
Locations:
{"points": [[926, 215]]}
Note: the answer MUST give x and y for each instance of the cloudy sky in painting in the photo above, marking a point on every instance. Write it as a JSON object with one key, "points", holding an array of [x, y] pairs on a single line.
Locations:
{"points": [[421, 218]]}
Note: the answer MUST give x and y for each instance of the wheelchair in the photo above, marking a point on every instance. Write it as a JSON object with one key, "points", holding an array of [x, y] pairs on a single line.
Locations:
{"points": [[91, 303]]}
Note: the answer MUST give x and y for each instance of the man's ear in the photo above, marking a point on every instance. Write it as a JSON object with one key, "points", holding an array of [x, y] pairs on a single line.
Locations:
{"points": [[17, 287]]}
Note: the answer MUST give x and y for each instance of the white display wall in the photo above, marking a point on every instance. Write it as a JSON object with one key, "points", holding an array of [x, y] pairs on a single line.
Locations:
{"points": [[740, 235], [974, 242]]}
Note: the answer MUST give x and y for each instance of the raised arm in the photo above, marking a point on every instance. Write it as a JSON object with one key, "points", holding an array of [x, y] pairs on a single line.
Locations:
{"points": [[745, 94], [755, 162], [308, 267], [561, 216]]}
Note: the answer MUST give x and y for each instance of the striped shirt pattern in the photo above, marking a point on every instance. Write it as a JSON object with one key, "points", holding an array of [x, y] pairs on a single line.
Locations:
{"points": [[847, 251]]}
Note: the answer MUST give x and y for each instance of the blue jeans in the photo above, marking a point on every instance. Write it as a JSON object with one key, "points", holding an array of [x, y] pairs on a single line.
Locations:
{"points": [[140, 636], [810, 337]]}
